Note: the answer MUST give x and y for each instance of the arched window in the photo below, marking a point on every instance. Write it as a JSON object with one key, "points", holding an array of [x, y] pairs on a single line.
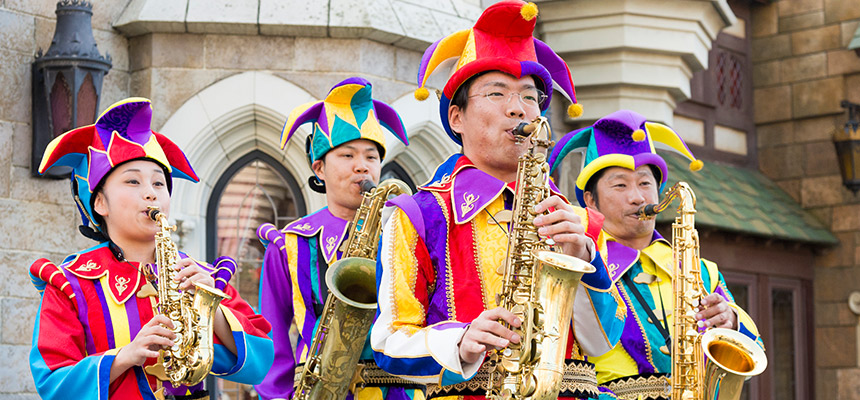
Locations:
{"points": [[254, 190], [393, 170]]}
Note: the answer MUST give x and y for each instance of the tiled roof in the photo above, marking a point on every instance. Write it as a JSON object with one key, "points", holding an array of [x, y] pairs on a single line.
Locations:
{"points": [[739, 200]]}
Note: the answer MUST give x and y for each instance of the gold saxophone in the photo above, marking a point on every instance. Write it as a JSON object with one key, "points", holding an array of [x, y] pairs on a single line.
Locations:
{"points": [[713, 364], [192, 313], [539, 286], [333, 357]]}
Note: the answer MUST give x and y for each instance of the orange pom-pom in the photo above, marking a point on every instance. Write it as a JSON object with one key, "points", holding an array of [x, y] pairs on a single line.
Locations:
{"points": [[529, 11], [638, 135], [696, 165], [421, 94], [574, 110]]}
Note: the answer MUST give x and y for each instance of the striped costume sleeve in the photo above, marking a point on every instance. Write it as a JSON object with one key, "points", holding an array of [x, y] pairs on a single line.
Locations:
{"points": [[276, 304], [254, 350], [403, 344], [58, 358]]}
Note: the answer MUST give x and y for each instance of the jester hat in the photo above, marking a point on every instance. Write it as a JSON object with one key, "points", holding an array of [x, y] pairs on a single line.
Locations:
{"points": [[501, 40], [121, 133], [347, 113], [621, 139]]}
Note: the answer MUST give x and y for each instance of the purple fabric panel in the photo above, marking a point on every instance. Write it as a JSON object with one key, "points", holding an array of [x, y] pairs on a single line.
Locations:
{"points": [[276, 305], [449, 325], [474, 182], [311, 114], [632, 338], [99, 167], [303, 270], [133, 315], [130, 120], [406, 203], [621, 256], [653, 159], [83, 310], [425, 59], [613, 137], [181, 390], [437, 246], [391, 120], [533, 68], [351, 81], [105, 313], [556, 67]]}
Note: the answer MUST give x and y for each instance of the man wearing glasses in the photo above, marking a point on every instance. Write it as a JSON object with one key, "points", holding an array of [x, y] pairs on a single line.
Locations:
{"points": [[442, 249]]}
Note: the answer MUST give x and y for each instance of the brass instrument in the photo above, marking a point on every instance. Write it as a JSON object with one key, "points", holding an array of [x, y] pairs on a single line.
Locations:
{"points": [[192, 313], [539, 286], [336, 347], [713, 364]]}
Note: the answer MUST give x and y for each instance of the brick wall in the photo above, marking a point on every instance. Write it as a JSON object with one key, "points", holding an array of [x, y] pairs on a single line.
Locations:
{"points": [[802, 70]]}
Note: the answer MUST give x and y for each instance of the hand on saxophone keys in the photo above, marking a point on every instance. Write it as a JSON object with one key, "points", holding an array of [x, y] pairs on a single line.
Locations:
{"points": [[715, 312], [189, 273], [486, 333], [562, 226]]}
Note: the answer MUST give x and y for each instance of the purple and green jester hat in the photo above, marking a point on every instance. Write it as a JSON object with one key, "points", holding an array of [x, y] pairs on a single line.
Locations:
{"points": [[621, 139], [348, 112], [121, 133], [501, 40]]}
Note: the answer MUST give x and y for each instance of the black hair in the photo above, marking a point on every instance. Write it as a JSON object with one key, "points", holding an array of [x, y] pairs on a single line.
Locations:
{"points": [[101, 235]]}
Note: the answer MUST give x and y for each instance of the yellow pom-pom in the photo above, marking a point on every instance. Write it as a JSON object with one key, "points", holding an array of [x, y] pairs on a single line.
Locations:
{"points": [[529, 11], [574, 110], [421, 94], [696, 165], [638, 135]]}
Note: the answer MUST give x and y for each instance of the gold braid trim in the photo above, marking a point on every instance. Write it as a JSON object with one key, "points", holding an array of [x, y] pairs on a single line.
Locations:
{"points": [[579, 381], [653, 387]]}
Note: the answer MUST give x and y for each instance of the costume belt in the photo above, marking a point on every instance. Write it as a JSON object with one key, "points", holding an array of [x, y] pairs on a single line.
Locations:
{"points": [[579, 381], [649, 386], [370, 375]]}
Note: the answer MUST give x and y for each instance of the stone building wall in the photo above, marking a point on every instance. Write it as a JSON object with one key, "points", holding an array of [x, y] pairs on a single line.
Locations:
{"points": [[39, 219], [802, 70], [170, 52]]}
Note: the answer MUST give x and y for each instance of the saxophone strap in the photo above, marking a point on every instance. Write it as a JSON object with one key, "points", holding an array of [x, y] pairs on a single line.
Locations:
{"points": [[653, 318], [579, 381], [644, 387]]}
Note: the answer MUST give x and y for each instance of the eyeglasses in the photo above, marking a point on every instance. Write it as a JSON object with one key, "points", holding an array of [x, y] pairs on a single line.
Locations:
{"points": [[528, 97]]}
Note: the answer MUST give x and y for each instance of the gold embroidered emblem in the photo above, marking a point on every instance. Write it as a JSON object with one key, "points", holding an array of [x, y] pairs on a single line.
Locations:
{"points": [[303, 227], [469, 203], [89, 266], [445, 178], [121, 284], [612, 268], [330, 243]]}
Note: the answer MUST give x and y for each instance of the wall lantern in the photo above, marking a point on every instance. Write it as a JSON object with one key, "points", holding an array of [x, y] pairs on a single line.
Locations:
{"points": [[67, 79], [847, 141]]}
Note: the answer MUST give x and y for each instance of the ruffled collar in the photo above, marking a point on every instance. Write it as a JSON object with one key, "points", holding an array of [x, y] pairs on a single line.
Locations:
{"points": [[332, 230]]}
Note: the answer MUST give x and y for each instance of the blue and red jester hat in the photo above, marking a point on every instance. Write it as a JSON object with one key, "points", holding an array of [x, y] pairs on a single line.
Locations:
{"points": [[501, 40], [121, 133]]}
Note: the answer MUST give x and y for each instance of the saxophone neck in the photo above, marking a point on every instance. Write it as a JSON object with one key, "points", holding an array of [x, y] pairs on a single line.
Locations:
{"points": [[680, 190], [538, 132]]}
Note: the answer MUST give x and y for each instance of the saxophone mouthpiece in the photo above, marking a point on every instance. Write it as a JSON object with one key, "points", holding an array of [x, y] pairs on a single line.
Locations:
{"points": [[648, 211], [525, 129], [366, 186], [153, 212]]}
